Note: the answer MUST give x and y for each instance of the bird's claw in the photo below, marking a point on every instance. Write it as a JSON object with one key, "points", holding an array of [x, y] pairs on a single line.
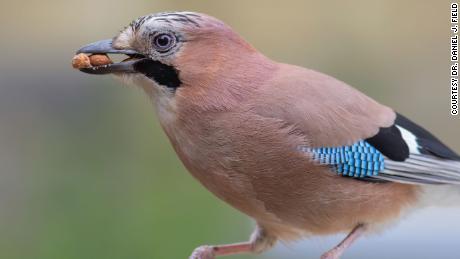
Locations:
{"points": [[203, 252]]}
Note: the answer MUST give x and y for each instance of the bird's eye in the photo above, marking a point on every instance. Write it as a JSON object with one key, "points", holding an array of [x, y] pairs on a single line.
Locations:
{"points": [[164, 42]]}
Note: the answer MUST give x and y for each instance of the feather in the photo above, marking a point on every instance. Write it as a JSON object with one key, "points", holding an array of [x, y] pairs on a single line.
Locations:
{"points": [[409, 154]]}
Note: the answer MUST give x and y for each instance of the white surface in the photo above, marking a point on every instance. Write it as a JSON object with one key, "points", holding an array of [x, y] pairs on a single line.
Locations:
{"points": [[428, 233]]}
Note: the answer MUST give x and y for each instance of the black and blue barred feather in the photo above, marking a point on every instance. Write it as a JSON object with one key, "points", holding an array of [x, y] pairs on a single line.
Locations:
{"points": [[403, 152], [358, 160]]}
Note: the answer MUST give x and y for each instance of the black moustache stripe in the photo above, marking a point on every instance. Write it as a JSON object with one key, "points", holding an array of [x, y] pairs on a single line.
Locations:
{"points": [[161, 73]]}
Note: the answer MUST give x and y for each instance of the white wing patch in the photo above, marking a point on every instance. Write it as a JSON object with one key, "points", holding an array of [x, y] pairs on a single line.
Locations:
{"points": [[411, 140], [420, 168]]}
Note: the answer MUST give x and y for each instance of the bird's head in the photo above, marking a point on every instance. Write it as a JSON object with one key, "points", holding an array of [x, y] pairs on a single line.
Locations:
{"points": [[178, 56]]}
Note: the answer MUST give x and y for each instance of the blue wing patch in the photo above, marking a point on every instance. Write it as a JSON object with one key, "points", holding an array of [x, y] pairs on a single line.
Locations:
{"points": [[358, 160]]}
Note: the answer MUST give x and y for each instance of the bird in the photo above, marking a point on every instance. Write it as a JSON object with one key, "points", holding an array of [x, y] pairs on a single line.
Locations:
{"points": [[300, 152]]}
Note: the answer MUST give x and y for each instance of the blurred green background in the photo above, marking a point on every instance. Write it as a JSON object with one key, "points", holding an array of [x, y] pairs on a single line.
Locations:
{"points": [[86, 172]]}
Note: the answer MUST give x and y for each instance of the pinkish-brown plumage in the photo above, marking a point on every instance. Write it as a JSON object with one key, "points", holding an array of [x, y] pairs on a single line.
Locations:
{"points": [[253, 163]]}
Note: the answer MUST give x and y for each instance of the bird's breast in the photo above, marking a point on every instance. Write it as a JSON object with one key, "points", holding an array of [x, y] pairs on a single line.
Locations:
{"points": [[253, 163]]}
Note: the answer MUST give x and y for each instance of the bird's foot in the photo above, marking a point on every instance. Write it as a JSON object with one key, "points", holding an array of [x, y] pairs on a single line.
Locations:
{"points": [[203, 252], [336, 252]]}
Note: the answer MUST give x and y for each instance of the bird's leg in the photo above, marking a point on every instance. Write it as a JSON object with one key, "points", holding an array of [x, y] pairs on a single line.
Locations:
{"points": [[337, 251], [259, 242]]}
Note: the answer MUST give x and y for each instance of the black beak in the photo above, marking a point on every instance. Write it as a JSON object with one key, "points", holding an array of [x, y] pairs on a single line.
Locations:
{"points": [[105, 47]]}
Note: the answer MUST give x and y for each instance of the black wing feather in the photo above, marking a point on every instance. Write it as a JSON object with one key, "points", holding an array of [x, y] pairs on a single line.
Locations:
{"points": [[390, 143], [428, 144]]}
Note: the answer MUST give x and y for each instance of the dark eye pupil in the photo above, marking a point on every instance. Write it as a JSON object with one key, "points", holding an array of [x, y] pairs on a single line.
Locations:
{"points": [[163, 40]]}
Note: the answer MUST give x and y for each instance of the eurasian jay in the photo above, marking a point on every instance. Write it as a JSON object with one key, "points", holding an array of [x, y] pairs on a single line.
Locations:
{"points": [[300, 152]]}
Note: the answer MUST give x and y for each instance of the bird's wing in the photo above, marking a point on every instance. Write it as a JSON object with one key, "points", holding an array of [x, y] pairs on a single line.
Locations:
{"points": [[355, 135], [426, 158], [404, 153]]}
